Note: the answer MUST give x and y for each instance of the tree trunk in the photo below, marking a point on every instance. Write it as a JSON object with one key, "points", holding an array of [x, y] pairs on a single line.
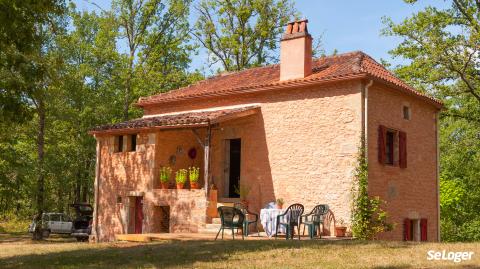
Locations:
{"points": [[41, 171], [128, 86]]}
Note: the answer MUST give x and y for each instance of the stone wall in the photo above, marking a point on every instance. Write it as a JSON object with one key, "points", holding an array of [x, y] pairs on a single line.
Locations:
{"points": [[301, 146]]}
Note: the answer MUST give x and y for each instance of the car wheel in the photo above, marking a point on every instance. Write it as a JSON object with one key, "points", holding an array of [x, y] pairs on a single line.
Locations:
{"points": [[46, 233]]}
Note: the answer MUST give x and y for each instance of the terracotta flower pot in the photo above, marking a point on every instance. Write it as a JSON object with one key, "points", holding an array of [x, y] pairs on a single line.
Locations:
{"points": [[194, 185], [164, 185], [180, 185], [279, 206], [244, 203], [340, 231]]}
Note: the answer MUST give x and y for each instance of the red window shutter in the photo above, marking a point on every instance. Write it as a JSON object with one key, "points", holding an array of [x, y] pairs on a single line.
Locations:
{"points": [[402, 149], [423, 229], [381, 144], [407, 236]]}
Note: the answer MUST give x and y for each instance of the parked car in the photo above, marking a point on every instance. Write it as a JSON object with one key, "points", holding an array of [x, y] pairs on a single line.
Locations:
{"points": [[56, 223], [82, 224]]}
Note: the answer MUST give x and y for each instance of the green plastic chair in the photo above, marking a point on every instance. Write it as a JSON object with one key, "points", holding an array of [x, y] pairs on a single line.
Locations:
{"points": [[247, 222], [231, 218], [291, 218], [314, 219]]}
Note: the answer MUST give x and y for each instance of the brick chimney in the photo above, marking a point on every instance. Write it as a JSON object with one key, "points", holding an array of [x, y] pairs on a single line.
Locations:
{"points": [[296, 51]]}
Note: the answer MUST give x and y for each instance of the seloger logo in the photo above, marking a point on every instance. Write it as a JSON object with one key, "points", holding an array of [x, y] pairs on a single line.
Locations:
{"points": [[433, 255]]}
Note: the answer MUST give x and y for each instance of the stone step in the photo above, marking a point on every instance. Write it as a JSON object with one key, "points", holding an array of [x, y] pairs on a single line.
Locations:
{"points": [[212, 226], [225, 204], [215, 231]]}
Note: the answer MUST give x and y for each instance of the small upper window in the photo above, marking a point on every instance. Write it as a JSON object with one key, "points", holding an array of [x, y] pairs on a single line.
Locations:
{"points": [[133, 142], [119, 143], [406, 112]]}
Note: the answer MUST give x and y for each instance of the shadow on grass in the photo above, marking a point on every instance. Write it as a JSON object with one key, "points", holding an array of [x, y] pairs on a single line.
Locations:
{"points": [[158, 254]]}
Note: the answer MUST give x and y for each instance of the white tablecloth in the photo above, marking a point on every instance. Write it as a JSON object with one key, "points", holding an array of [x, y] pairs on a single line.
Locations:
{"points": [[268, 218]]}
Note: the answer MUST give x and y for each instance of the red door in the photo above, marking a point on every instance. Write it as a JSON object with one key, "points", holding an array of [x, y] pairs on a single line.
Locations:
{"points": [[138, 214]]}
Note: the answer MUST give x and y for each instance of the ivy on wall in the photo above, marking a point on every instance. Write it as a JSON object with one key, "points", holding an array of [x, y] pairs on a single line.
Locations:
{"points": [[368, 218]]}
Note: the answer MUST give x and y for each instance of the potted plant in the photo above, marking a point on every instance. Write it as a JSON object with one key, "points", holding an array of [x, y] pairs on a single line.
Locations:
{"points": [[340, 229], [165, 173], [279, 203], [242, 191], [181, 178], [194, 175]]}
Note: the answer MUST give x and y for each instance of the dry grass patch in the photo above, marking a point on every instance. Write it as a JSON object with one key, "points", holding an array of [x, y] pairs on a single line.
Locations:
{"points": [[62, 253]]}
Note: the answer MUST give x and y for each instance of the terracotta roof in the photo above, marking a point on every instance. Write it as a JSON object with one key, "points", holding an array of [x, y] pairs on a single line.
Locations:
{"points": [[180, 120], [343, 66]]}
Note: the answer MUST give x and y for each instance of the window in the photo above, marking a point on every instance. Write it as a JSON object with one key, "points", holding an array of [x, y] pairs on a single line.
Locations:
{"points": [[406, 112], [119, 199], [133, 142], [119, 143], [415, 230], [392, 147]]}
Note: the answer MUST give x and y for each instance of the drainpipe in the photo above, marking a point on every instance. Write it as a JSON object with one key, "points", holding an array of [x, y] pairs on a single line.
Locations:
{"points": [[365, 117], [97, 187]]}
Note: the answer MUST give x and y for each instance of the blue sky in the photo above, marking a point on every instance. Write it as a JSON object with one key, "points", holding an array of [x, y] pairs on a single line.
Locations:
{"points": [[346, 25]]}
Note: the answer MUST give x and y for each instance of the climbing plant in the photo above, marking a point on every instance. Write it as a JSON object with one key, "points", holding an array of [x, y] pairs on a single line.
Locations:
{"points": [[368, 218]]}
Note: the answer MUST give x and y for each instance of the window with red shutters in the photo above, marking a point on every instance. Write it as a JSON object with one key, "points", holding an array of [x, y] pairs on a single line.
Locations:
{"points": [[402, 149]]}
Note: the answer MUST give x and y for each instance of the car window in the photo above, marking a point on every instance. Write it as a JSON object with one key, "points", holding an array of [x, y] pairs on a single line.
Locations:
{"points": [[66, 218], [55, 217]]}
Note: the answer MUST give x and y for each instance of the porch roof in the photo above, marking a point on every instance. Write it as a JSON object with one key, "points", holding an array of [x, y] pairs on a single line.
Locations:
{"points": [[190, 119]]}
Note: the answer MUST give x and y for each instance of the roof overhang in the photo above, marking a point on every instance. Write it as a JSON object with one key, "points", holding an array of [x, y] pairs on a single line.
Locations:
{"points": [[192, 119]]}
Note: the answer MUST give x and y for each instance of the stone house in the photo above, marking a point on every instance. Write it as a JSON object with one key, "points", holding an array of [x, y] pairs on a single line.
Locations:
{"points": [[290, 130]]}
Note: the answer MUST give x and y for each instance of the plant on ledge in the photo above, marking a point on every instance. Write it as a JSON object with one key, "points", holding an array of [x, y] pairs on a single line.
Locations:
{"points": [[165, 173], [181, 178], [194, 175], [368, 218]]}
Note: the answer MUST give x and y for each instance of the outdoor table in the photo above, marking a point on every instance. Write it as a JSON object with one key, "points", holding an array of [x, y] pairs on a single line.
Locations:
{"points": [[268, 218]]}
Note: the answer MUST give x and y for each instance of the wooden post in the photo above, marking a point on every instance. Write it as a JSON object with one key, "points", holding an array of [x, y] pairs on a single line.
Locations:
{"points": [[206, 160]]}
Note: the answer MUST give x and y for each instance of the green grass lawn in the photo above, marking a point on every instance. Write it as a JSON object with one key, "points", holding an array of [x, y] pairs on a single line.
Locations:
{"points": [[20, 252]]}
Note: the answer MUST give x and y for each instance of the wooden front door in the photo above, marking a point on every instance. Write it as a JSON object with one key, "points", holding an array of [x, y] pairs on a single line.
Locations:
{"points": [[138, 214]]}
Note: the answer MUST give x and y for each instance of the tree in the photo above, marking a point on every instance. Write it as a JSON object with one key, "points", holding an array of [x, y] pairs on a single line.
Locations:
{"points": [[156, 33], [240, 34], [442, 48], [19, 39]]}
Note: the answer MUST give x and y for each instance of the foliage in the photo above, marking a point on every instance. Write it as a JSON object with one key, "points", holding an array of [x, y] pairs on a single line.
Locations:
{"points": [[157, 37], [69, 76], [165, 173], [280, 201], [181, 176], [193, 174], [442, 51], [368, 218], [241, 33]]}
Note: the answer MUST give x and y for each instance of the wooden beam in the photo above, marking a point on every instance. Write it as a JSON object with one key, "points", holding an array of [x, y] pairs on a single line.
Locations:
{"points": [[197, 136]]}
